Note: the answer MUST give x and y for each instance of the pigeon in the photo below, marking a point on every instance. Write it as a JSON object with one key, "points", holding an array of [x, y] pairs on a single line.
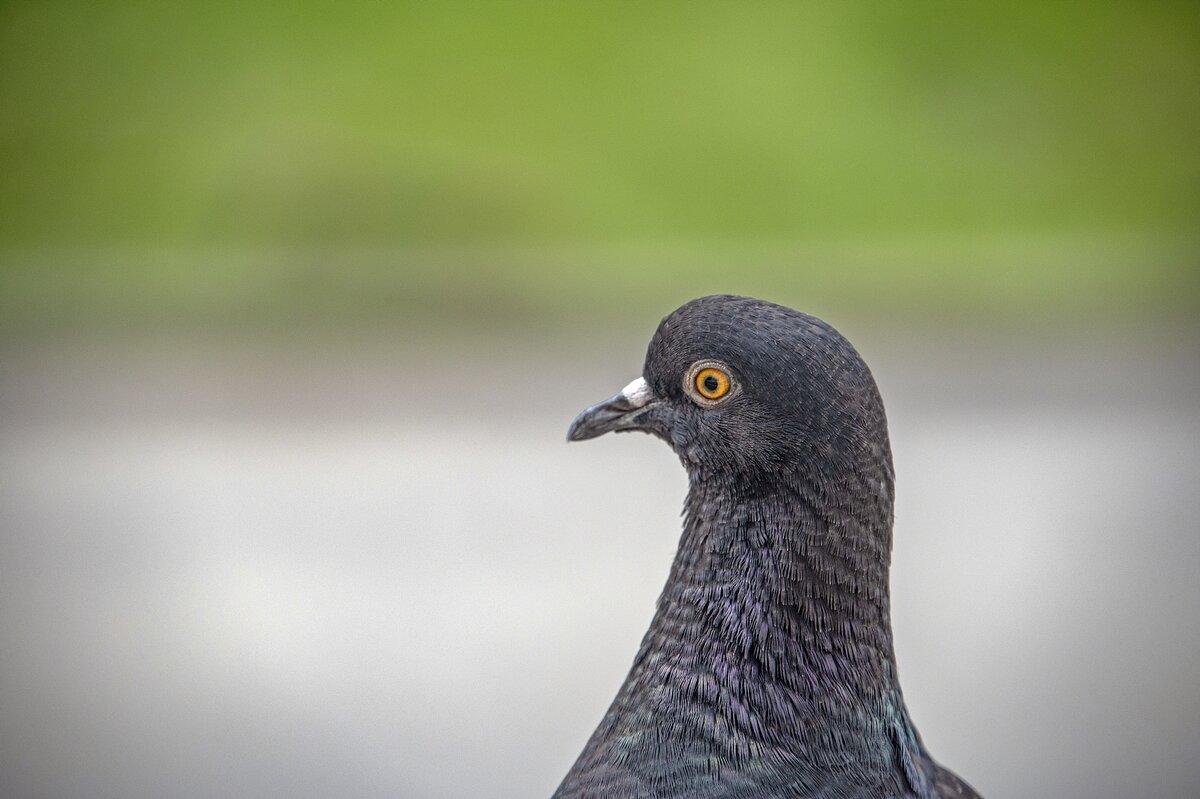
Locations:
{"points": [[768, 669]]}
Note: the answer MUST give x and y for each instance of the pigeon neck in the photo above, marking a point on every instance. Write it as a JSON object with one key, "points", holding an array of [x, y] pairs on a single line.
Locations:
{"points": [[798, 574], [776, 614]]}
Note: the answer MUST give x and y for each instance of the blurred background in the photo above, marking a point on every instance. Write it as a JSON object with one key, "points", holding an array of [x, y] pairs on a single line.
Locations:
{"points": [[298, 299]]}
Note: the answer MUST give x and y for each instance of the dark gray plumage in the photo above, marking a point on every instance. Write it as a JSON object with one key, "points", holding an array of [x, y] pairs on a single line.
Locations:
{"points": [[768, 669]]}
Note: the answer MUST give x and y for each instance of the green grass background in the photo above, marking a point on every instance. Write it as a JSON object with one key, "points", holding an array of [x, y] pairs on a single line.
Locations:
{"points": [[172, 164]]}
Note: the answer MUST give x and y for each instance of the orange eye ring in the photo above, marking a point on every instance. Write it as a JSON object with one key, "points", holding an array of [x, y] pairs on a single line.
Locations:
{"points": [[712, 383]]}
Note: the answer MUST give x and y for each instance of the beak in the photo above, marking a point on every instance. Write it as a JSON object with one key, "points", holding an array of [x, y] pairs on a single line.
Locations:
{"points": [[618, 412]]}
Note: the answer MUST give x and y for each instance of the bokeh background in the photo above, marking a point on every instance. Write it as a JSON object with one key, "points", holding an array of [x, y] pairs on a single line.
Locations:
{"points": [[298, 299]]}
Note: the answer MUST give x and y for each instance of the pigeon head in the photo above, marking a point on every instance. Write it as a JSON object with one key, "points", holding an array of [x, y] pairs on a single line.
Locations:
{"points": [[739, 386]]}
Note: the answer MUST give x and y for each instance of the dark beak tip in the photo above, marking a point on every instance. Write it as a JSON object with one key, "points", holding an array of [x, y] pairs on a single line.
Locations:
{"points": [[584, 427]]}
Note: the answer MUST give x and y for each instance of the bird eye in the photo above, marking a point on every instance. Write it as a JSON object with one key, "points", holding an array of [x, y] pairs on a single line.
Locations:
{"points": [[712, 383]]}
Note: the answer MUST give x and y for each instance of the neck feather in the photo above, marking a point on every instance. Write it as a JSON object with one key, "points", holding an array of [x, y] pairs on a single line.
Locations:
{"points": [[776, 614], [770, 654]]}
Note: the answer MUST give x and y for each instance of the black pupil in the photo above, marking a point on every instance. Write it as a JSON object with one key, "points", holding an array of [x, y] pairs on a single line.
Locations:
{"points": [[711, 384]]}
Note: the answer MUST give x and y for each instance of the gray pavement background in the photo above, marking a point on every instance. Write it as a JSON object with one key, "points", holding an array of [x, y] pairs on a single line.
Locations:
{"points": [[379, 571]]}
